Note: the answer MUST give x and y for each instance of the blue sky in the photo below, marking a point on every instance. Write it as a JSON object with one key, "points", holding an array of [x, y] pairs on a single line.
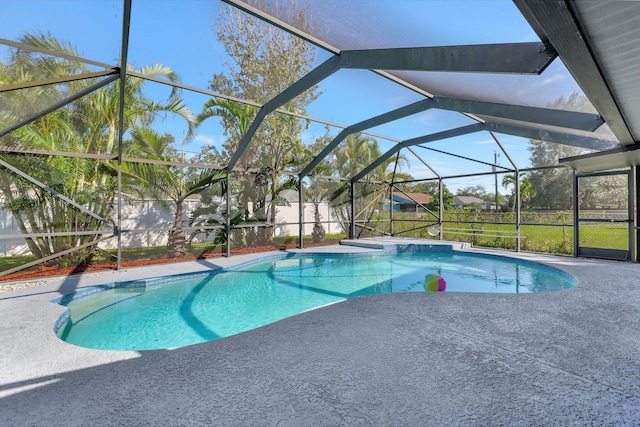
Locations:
{"points": [[180, 34]]}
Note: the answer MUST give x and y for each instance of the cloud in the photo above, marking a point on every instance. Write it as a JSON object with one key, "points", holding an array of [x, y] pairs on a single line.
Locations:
{"points": [[424, 117], [541, 88], [484, 142], [205, 140], [554, 78]]}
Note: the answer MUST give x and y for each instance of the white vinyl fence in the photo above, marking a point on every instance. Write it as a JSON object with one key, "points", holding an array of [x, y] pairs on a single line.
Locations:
{"points": [[147, 222]]}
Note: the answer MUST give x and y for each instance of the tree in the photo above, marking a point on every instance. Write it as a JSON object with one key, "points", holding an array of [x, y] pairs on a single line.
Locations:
{"points": [[555, 186], [356, 152], [391, 170], [165, 181], [266, 60], [317, 189], [448, 199], [557, 183], [526, 189], [35, 209], [87, 125], [475, 191], [236, 119], [426, 187], [491, 197]]}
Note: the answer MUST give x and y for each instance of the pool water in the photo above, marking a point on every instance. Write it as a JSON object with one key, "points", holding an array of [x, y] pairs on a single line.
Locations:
{"points": [[206, 307]]}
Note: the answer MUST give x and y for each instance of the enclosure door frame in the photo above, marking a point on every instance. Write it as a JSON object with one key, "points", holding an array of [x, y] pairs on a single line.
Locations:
{"points": [[604, 253]]}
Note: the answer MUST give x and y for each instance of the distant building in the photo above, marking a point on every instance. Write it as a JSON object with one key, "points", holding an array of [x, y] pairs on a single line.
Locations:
{"points": [[468, 201], [409, 202]]}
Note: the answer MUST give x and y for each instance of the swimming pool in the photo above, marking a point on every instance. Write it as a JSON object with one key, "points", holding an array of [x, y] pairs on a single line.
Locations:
{"points": [[176, 311]]}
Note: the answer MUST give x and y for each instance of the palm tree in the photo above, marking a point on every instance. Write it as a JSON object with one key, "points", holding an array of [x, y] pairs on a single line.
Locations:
{"points": [[275, 147], [526, 189], [164, 181], [236, 119], [282, 149], [88, 125], [355, 153], [316, 192], [34, 208]]}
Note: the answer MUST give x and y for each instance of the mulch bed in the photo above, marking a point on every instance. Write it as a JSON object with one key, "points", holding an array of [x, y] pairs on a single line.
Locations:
{"points": [[54, 270]]}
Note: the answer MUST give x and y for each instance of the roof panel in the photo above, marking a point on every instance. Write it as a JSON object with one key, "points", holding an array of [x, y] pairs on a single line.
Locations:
{"points": [[544, 90], [613, 31], [370, 24], [562, 25]]}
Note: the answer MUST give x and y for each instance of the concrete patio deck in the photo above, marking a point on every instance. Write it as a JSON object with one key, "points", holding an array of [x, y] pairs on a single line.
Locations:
{"points": [[568, 357]]}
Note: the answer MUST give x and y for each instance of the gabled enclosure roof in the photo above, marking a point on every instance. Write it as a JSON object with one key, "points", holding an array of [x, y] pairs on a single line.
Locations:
{"points": [[489, 76], [595, 40]]}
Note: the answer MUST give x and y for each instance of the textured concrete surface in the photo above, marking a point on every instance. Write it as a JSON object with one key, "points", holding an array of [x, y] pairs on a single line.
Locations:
{"points": [[569, 357]]}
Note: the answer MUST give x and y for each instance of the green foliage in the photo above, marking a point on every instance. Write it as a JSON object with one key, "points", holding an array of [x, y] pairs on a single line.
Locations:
{"points": [[554, 187], [266, 60], [526, 188], [427, 187], [164, 181], [433, 189], [87, 125], [448, 199]]}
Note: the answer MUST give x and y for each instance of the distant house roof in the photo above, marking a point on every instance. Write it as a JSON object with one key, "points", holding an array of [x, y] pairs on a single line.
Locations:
{"points": [[411, 198], [289, 195], [467, 200]]}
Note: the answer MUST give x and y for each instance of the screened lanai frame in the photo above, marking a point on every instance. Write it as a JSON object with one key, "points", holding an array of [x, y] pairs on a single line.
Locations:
{"points": [[566, 127]]}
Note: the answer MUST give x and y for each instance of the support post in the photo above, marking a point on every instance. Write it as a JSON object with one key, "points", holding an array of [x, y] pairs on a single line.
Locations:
{"points": [[636, 224], [391, 209], [517, 195], [126, 21], [227, 224], [495, 174], [576, 212], [630, 198], [441, 207], [352, 225], [300, 213]]}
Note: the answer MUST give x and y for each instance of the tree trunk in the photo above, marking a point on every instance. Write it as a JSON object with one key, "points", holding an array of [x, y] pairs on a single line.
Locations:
{"points": [[318, 232], [177, 242], [272, 208], [6, 189]]}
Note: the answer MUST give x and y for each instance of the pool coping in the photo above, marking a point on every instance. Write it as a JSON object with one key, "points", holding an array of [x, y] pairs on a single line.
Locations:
{"points": [[42, 374]]}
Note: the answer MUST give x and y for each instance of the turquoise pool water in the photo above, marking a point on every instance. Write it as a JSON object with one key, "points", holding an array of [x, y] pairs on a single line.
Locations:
{"points": [[205, 307]]}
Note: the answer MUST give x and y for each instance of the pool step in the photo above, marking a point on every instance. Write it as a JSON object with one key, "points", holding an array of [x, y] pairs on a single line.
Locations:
{"points": [[390, 244]]}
